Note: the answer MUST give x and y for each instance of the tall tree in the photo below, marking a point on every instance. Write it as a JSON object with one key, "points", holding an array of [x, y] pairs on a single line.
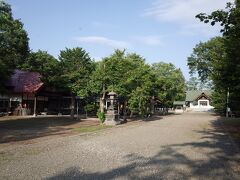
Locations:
{"points": [[170, 83], [13, 43], [76, 67], [208, 61], [229, 78], [192, 84], [141, 80]]}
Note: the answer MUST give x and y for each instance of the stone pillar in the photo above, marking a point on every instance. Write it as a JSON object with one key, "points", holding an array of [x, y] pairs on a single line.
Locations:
{"points": [[112, 117]]}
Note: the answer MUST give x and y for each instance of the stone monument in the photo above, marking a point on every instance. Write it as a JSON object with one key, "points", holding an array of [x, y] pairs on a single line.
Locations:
{"points": [[112, 116]]}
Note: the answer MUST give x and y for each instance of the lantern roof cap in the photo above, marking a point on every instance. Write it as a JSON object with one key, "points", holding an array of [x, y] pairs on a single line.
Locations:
{"points": [[112, 93]]}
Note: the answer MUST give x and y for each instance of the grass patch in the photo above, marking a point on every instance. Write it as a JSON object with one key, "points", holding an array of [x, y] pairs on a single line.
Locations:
{"points": [[91, 128]]}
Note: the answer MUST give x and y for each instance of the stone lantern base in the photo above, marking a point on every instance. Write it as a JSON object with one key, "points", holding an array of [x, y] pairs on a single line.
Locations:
{"points": [[112, 118]]}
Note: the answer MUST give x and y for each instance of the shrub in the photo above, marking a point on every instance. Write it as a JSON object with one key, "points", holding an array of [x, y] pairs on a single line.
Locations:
{"points": [[101, 116]]}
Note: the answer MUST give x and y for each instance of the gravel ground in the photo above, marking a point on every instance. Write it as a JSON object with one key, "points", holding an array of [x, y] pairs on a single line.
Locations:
{"points": [[187, 146]]}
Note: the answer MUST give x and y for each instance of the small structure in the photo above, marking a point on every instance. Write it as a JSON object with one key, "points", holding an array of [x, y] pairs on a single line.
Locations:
{"points": [[179, 103], [112, 115], [179, 106], [28, 95], [199, 100]]}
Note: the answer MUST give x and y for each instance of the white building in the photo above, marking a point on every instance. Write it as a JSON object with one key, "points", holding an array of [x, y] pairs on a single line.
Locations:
{"points": [[199, 100]]}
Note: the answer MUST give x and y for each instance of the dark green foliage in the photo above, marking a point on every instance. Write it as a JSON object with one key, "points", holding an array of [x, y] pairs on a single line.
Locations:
{"points": [[45, 64], [207, 59], [170, 83], [223, 70], [136, 82], [13, 43], [219, 100], [127, 75], [76, 67]]}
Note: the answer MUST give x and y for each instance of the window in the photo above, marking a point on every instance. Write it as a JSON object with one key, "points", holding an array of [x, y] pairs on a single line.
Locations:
{"points": [[203, 103]]}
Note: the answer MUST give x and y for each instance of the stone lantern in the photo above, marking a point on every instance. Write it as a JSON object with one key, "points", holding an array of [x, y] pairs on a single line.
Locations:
{"points": [[112, 116]]}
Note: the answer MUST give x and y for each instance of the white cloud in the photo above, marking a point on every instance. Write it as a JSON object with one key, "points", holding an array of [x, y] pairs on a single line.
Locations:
{"points": [[149, 40], [103, 41], [183, 12]]}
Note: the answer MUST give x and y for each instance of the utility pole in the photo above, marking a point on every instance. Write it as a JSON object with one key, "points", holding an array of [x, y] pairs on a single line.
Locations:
{"points": [[227, 102]]}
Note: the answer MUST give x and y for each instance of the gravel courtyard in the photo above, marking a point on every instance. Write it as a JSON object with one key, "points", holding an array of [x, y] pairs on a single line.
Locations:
{"points": [[187, 146]]}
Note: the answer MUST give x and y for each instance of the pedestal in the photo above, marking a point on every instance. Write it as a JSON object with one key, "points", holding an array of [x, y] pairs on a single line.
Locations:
{"points": [[112, 118]]}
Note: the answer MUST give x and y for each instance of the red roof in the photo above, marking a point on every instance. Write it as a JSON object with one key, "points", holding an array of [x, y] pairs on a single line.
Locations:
{"points": [[25, 82]]}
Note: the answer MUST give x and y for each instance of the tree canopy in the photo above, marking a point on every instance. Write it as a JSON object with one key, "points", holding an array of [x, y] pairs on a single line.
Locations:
{"points": [[45, 64], [207, 60], [136, 82], [219, 58], [75, 66], [14, 47], [170, 83]]}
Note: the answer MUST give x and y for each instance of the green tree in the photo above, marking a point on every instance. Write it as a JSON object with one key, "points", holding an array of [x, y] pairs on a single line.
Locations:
{"points": [[170, 83], [136, 82], [208, 61], [45, 64], [76, 67], [141, 80], [13, 43], [229, 77], [192, 84], [127, 75], [195, 84]]}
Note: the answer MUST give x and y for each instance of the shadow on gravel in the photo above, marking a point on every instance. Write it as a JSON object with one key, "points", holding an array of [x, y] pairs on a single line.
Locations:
{"points": [[171, 162], [14, 130], [31, 128], [152, 118]]}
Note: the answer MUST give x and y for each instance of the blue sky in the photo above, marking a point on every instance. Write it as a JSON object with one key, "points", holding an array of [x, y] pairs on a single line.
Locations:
{"points": [[158, 30]]}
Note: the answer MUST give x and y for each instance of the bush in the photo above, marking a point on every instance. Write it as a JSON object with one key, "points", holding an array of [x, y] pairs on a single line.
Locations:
{"points": [[101, 116]]}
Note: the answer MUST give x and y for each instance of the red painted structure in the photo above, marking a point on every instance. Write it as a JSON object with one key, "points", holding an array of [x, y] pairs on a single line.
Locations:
{"points": [[26, 90], [25, 82]]}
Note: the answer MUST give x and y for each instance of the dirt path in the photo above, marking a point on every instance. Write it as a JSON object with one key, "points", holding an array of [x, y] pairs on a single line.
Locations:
{"points": [[188, 146]]}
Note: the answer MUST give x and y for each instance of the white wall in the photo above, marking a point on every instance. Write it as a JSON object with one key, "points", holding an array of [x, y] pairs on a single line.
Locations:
{"points": [[200, 107]]}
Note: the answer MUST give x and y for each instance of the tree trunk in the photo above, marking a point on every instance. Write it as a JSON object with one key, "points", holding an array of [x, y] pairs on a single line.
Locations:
{"points": [[131, 114], [101, 104], [72, 106], [152, 105], [102, 100], [125, 111]]}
